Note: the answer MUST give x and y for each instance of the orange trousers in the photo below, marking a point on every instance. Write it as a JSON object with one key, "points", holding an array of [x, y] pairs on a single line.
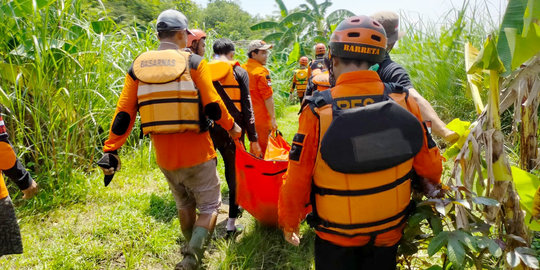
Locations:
{"points": [[262, 134]]}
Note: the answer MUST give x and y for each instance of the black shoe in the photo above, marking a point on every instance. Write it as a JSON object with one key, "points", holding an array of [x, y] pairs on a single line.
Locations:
{"points": [[240, 212], [231, 234]]}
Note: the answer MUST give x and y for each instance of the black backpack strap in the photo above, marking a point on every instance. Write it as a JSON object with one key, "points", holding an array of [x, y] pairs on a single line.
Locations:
{"points": [[317, 100], [390, 88]]}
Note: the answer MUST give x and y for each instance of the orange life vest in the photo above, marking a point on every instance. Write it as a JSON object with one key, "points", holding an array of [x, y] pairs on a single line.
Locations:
{"points": [[363, 169], [168, 100], [301, 76], [321, 81], [223, 76]]}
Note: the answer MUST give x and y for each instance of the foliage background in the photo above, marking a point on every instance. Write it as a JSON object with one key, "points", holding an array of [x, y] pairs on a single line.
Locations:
{"points": [[62, 69]]}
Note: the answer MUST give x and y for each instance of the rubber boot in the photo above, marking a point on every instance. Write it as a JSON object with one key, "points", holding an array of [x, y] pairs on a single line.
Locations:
{"points": [[198, 241], [194, 251]]}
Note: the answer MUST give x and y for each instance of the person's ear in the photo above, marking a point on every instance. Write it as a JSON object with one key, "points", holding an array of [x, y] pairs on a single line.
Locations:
{"points": [[335, 61]]}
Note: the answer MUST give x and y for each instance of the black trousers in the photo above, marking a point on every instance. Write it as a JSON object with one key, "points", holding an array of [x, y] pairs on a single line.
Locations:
{"points": [[329, 256], [10, 235], [225, 145]]}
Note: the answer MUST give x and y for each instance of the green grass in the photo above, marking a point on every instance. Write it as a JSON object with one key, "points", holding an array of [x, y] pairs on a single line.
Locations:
{"points": [[132, 224]]}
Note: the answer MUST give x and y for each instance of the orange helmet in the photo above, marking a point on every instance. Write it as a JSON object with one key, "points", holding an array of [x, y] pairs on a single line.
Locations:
{"points": [[320, 49], [303, 61], [197, 35], [359, 37]]}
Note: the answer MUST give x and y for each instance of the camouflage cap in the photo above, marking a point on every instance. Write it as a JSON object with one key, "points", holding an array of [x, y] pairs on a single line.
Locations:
{"points": [[259, 44], [390, 21]]}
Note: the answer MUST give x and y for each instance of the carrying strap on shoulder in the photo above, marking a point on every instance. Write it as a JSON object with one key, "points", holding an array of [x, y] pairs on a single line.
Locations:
{"points": [[317, 100], [226, 98], [395, 88]]}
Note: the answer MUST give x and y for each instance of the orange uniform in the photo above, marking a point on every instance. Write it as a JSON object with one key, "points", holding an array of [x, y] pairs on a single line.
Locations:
{"points": [[260, 87], [8, 160], [10, 165], [297, 187], [175, 150]]}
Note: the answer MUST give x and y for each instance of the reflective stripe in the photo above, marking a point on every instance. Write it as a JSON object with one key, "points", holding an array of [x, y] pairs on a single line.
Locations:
{"points": [[145, 89]]}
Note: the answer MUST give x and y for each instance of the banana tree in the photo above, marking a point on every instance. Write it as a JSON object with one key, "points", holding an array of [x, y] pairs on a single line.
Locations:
{"points": [[512, 61], [301, 27]]}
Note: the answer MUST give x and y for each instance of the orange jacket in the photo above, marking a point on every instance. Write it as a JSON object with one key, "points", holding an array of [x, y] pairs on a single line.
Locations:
{"points": [[260, 87], [176, 150], [296, 189], [10, 165]]}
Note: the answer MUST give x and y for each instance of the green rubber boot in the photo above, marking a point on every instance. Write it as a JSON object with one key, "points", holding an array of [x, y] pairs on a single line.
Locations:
{"points": [[194, 251]]}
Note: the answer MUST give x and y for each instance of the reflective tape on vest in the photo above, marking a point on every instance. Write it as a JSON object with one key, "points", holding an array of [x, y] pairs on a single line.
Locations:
{"points": [[182, 86]]}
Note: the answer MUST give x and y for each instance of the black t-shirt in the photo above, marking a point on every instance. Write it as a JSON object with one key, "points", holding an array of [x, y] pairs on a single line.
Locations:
{"points": [[390, 71]]}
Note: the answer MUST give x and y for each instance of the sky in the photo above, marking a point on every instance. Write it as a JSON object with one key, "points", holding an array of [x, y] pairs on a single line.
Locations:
{"points": [[413, 9]]}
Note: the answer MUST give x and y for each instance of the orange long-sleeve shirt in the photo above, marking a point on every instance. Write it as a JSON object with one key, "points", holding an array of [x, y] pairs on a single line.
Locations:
{"points": [[8, 159], [296, 189], [176, 150], [260, 88], [10, 165]]}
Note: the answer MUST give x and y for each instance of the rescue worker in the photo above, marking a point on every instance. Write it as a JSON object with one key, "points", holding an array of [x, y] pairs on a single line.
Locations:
{"points": [[390, 71], [232, 84], [358, 146], [319, 78], [197, 42], [319, 81], [318, 62], [260, 87], [300, 78], [173, 92], [10, 235]]}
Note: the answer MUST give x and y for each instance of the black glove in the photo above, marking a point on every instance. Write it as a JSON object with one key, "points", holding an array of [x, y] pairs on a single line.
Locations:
{"points": [[108, 161]]}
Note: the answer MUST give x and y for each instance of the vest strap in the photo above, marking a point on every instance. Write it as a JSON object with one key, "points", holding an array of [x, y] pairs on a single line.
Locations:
{"points": [[362, 192], [372, 235], [221, 91], [171, 122], [401, 214], [169, 100]]}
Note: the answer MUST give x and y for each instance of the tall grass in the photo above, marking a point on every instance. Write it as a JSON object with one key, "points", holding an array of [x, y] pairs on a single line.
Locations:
{"points": [[60, 79], [433, 54]]}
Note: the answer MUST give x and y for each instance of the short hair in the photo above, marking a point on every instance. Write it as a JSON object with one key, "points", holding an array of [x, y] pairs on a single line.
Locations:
{"points": [[254, 51], [166, 34], [223, 46], [356, 62]]}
